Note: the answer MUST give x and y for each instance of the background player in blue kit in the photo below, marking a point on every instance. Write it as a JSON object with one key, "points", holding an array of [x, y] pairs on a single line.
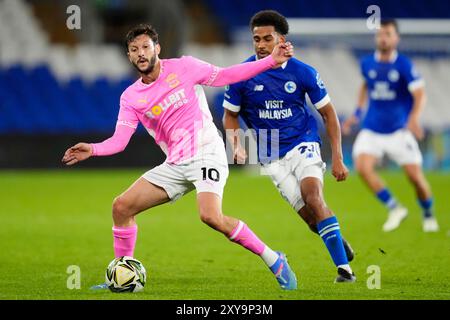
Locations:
{"points": [[396, 96], [275, 100]]}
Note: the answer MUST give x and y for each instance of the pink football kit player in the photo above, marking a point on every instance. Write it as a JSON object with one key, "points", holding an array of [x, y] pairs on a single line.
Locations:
{"points": [[169, 102]]}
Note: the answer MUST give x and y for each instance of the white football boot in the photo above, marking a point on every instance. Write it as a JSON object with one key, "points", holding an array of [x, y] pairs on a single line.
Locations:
{"points": [[395, 217], [430, 224]]}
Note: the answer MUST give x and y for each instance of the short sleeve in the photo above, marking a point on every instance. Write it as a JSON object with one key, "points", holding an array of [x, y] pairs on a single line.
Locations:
{"points": [[315, 88], [199, 71], [232, 97], [127, 116], [411, 75]]}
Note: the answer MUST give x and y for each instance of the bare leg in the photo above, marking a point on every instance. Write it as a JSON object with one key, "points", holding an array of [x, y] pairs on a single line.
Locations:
{"points": [[311, 190], [415, 175], [140, 196], [365, 166], [210, 210], [308, 216], [424, 195]]}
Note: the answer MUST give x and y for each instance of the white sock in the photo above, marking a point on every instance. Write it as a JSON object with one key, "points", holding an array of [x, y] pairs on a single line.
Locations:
{"points": [[346, 267], [269, 256]]}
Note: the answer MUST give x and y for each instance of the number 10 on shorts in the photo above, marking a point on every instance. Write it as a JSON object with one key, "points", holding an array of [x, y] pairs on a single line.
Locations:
{"points": [[211, 174]]}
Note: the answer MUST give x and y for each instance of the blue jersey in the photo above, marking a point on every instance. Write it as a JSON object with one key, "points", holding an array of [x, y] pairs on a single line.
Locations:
{"points": [[274, 102], [389, 85]]}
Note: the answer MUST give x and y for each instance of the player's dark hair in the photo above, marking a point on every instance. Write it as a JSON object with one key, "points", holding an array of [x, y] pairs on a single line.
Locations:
{"points": [[391, 22], [270, 18], [136, 31]]}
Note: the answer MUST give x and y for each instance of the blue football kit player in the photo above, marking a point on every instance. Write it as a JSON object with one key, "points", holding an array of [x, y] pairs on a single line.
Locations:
{"points": [[395, 93], [273, 106]]}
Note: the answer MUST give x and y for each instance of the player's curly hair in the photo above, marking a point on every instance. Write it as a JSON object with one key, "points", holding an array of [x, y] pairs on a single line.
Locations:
{"points": [[270, 18], [390, 21], [136, 31]]}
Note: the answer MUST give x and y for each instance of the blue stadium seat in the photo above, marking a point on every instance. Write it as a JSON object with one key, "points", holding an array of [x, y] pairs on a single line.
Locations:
{"points": [[236, 13], [81, 104]]}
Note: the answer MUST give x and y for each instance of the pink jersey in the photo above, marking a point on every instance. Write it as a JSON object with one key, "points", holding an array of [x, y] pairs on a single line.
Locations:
{"points": [[173, 108]]}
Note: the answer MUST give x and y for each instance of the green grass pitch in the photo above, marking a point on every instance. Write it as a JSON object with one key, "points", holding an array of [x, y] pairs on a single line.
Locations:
{"points": [[54, 219]]}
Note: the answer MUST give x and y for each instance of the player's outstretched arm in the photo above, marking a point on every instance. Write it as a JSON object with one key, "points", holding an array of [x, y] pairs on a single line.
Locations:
{"points": [[117, 143], [329, 116], [79, 152], [244, 71]]}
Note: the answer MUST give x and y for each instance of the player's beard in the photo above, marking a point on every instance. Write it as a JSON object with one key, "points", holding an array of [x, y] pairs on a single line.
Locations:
{"points": [[261, 55], [385, 48], [149, 69]]}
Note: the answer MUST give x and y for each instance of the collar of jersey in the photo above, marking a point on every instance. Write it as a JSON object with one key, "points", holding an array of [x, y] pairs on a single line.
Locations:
{"points": [[392, 58], [161, 61]]}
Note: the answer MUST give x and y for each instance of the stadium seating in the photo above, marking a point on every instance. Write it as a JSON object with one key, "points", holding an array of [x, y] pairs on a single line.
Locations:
{"points": [[53, 89], [48, 88], [339, 68], [236, 13], [78, 88]]}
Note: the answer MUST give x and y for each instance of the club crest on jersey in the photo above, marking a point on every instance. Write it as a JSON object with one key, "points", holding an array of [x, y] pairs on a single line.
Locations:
{"points": [[290, 86], [393, 75], [172, 80]]}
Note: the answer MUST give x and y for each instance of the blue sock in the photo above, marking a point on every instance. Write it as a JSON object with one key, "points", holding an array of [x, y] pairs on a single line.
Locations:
{"points": [[330, 233], [386, 197], [427, 207]]}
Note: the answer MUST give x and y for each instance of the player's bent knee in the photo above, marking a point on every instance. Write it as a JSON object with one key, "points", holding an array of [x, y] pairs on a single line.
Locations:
{"points": [[315, 202], [122, 208], [212, 217]]}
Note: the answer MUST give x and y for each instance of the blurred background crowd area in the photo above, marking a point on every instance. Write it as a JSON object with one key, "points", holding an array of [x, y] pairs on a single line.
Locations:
{"points": [[60, 85]]}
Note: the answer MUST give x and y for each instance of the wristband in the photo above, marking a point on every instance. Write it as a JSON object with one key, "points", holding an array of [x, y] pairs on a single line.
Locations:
{"points": [[358, 113]]}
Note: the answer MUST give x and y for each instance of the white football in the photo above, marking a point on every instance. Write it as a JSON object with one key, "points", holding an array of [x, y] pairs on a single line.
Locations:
{"points": [[125, 274]]}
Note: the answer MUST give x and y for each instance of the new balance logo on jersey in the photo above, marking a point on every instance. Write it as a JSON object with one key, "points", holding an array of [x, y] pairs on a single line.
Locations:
{"points": [[259, 87]]}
